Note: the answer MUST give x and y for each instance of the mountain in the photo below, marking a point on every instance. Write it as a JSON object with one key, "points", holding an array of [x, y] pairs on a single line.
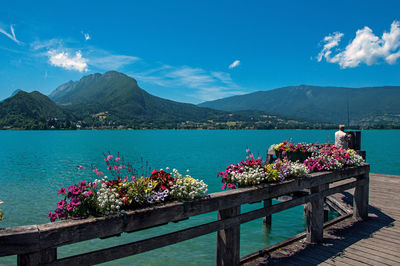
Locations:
{"points": [[371, 105], [30, 110], [118, 96]]}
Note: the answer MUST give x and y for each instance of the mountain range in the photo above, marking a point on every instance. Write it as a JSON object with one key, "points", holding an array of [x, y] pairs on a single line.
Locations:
{"points": [[113, 99], [362, 106]]}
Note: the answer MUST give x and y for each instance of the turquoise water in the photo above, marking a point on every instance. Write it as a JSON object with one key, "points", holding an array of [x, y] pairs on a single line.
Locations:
{"points": [[35, 164]]}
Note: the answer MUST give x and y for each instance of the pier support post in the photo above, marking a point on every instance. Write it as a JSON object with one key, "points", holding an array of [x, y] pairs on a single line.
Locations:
{"points": [[267, 220], [44, 256], [228, 240], [315, 216], [360, 199]]}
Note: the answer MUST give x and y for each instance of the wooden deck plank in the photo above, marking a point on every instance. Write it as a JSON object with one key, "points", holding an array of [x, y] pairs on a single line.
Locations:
{"points": [[372, 242]]}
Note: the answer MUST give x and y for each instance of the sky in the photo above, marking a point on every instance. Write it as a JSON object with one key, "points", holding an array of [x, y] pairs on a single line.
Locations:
{"points": [[196, 51]]}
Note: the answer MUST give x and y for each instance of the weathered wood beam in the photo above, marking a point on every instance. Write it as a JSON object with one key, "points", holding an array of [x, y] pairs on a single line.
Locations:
{"points": [[315, 215], [228, 240], [267, 220], [360, 199]]}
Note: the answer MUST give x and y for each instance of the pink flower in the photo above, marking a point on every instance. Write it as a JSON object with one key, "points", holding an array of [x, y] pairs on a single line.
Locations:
{"points": [[88, 193], [95, 170], [81, 167], [61, 203], [70, 207], [100, 173], [82, 184], [62, 190], [76, 191], [109, 157], [117, 159]]}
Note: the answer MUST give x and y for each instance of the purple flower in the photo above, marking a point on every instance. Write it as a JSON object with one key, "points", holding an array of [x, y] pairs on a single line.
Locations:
{"points": [[52, 217], [149, 200], [75, 201], [58, 211]]}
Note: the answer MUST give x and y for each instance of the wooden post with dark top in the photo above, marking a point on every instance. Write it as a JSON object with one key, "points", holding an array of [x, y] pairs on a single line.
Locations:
{"points": [[315, 216], [355, 140], [44, 256], [228, 240], [360, 199], [267, 220]]}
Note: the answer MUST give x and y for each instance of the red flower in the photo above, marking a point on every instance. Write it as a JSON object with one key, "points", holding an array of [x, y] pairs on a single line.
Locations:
{"points": [[163, 178]]}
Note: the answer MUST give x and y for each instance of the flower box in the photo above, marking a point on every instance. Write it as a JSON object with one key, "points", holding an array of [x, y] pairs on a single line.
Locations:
{"points": [[293, 156]]}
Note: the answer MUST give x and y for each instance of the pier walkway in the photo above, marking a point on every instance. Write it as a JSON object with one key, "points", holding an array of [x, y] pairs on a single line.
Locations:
{"points": [[348, 242]]}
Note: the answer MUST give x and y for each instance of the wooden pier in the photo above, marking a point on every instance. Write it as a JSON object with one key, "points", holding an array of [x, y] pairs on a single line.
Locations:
{"points": [[37, 244], [375, 241]]}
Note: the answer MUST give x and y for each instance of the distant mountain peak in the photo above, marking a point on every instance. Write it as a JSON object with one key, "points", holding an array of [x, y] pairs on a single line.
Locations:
{"points": [[15, 92]]}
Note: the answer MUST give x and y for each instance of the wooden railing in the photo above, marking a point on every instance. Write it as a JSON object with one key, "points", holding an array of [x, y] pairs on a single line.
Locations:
{"points": [[37, 244]]}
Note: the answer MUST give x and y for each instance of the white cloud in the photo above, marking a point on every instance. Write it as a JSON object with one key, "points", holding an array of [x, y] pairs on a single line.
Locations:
{"points": [[112, 61], [330, 42], [75, 61], [234, 64], [365, 48], [87, 36], [198, 83], [48, 44], [67, 61], [11, 35]]}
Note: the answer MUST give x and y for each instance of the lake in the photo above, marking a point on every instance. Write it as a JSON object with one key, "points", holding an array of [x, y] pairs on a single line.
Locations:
{"points": [[35, 164]]}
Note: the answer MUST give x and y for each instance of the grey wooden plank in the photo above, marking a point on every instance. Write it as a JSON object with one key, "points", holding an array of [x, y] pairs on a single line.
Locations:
{"points": [[381, 244]]}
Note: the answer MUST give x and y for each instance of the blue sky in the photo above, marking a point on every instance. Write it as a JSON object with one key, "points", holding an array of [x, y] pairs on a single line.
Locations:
{"points": [[193, 51]]}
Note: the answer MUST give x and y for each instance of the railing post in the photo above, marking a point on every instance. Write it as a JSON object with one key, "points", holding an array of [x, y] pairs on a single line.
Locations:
{"points": [[44, 256], [267, 220], [315, 216], [228, 240], [360, 199]]}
